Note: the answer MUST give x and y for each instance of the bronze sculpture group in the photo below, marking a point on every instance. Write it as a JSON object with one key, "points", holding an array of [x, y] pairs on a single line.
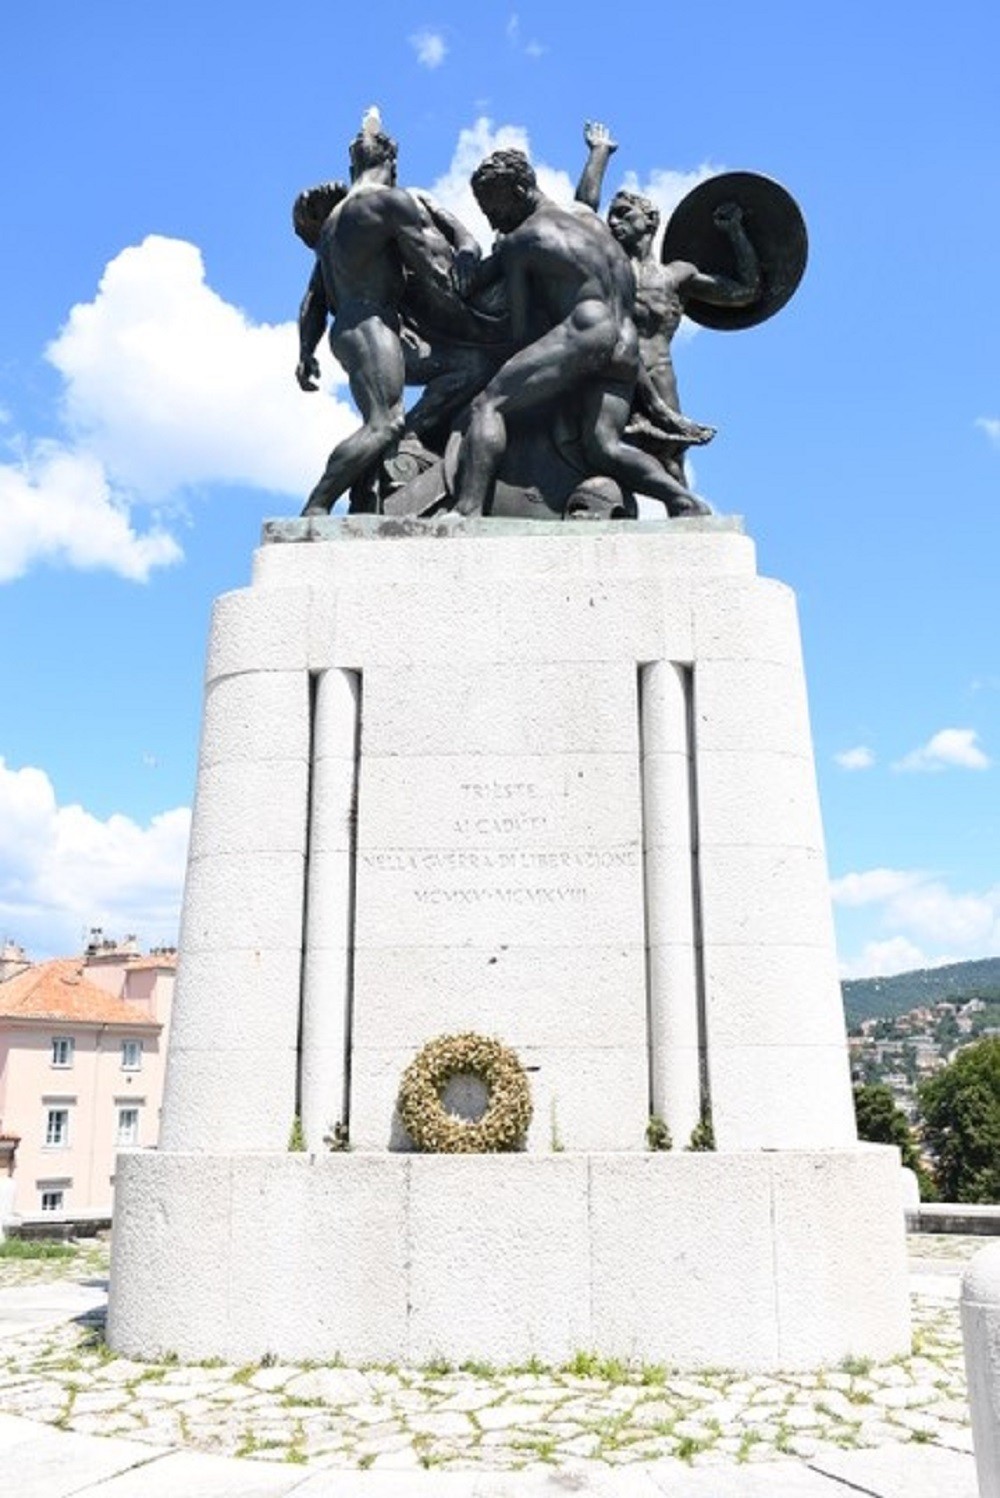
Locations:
{"points": [[548, 383]]}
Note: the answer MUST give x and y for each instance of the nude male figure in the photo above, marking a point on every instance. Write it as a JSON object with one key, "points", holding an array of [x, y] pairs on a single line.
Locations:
{"points": [[374, 234], [571, 295], [663, 290]]}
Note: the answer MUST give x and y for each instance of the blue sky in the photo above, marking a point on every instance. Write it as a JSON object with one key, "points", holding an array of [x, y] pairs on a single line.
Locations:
{"points": [[149, 420]]}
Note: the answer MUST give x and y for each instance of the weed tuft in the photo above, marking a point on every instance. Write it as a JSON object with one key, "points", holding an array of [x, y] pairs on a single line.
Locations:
{"points": [[35, 1248]]}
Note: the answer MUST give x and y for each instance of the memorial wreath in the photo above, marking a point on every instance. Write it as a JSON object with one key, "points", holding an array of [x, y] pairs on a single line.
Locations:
{"points": [[436, 1131]]}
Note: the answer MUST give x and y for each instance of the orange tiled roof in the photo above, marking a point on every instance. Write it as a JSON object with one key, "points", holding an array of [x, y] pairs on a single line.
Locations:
{"points": [[59, 990]]}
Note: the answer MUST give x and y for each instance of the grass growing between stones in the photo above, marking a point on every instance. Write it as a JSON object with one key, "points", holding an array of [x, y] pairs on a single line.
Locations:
{"points": [[28, 1261], [592, 1408], [30, 1248], [605, 1370]]}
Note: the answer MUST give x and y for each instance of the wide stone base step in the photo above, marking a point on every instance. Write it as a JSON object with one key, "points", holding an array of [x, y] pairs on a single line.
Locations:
{"points": [[749, 1260]]}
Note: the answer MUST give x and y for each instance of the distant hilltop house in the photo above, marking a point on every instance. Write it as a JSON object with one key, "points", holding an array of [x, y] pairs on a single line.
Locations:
{"points": [[903, 1049], [82, 1051]]}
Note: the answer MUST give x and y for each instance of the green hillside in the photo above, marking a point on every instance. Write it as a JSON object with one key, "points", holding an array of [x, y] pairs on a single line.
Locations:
{"points": [[870, 998]]}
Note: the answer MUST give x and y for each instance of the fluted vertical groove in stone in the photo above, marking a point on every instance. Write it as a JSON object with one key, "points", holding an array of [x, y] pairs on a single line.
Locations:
{"points": [[327, 975], [672, 968]]}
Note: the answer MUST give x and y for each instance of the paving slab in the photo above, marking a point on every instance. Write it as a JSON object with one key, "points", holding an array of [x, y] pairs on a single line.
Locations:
{"points": [[192, 1472], [938, 1283], [49, 1463], [633, 1483], [912, 1471], [471, 1484], [768, 1480], [27, 1307]]}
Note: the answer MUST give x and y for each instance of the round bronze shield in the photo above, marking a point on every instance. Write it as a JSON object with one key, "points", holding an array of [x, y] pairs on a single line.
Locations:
{"points": [[774, 225]]}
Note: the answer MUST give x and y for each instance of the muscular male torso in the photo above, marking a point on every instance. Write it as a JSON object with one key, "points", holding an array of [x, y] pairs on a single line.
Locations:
{"points": [[359, 252], [575, 274], [659, 308]]}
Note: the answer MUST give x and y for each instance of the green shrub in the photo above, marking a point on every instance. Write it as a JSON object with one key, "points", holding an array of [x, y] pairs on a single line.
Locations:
{"points": [[34, 1248]]}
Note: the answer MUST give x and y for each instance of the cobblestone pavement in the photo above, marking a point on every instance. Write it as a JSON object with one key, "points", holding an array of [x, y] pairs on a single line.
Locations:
{"points": [[84, 1261], [590, 1411], [944, 1248]]}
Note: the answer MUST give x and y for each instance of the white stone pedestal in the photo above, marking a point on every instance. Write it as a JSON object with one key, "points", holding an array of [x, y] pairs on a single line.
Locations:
{"points": [[748, 1260], [550, 782]]}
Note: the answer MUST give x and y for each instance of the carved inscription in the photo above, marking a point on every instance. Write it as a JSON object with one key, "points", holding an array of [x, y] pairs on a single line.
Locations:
{"points": [[403, 860], [517, 895], [487, 826], [493, 815], [499, 790]]}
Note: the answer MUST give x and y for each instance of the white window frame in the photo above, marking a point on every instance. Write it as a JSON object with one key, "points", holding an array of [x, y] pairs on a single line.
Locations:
{"points": [[131, 1048], [63, 1051], [132, 1140], [56, 1136], [58, 1196]]}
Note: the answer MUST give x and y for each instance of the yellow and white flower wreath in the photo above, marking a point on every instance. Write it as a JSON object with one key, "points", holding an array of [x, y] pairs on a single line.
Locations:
{"points": [[436, 1131]]}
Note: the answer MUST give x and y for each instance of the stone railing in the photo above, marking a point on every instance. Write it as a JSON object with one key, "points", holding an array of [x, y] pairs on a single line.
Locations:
{"points": [[954, 1217]]}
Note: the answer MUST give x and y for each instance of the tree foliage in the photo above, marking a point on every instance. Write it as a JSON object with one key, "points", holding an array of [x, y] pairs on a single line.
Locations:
{"points": [[882, 1121], [961, 1112]]}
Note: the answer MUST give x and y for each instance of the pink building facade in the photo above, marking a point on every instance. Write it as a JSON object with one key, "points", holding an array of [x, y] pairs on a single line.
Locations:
{"points": [[82, 1049]]}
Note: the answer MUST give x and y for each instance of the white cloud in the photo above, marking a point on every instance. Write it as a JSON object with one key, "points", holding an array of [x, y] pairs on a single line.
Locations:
{"points": [[57, 506], [168, 388], [533, 48], [956, 748], [873, 886], [173, 387], [880, 959], [925, 922], [859, 758], [991, 426], [63, 869], [430, 47], [968, 922]]}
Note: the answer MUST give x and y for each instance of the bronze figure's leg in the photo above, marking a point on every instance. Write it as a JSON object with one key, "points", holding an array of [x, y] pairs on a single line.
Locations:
{"points": [[373, 357], [606, 412], [552, 364]]}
